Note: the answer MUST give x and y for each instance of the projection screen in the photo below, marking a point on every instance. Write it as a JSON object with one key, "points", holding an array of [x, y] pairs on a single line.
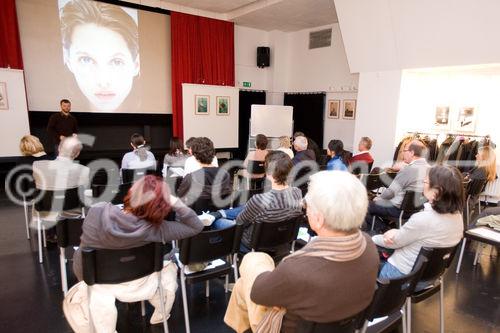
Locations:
{"points": [[100, 56]]}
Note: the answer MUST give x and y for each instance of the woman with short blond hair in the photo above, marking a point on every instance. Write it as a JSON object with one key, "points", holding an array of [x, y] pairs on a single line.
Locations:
{"points": [[30, 145]]}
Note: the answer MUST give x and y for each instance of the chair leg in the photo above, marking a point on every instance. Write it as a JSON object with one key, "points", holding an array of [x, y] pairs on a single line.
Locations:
{"points": [[441, 306], [400, 219], [207, 289], [461, 255], [235, 266], [226, 285], [143, 308], [476, 257], [184, 300], [25, 205], [467, 211], [364, 328], [292, 250], [404, 323], [64, 278], [39, 231], [162, 303], [408, 315], [373, 222], [44, 236]]}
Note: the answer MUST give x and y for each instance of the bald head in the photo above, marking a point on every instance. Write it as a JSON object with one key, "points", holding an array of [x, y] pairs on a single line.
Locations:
{"points": [[300, 143], [70, 148]]}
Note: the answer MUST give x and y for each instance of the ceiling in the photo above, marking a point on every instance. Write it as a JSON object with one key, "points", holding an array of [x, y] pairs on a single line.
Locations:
{"points": [[283, 15], [216, 6], [290, 15]]}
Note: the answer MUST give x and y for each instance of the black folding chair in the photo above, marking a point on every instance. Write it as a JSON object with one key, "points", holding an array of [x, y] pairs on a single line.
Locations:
{"points": [[132, 175], [104, 266], [255, 168], [55, 202], [439, 259], [478, 234], [111, 193], [389, 300], [208, 246], [68, 235], [473, 188], [348, 325], [267, 236]]}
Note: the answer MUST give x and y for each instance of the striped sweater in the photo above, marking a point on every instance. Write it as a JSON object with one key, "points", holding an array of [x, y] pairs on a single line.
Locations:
{"points": [[271, 206]]}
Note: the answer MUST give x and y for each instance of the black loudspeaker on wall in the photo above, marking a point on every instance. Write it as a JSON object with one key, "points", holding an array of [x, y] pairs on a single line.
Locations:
{"points": [[263, 56]]}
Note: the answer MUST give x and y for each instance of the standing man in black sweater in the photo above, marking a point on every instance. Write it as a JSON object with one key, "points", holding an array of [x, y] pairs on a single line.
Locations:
{"points": [[62, 124]]}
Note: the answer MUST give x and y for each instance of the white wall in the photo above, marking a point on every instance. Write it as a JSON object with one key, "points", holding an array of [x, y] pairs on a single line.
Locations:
{"points": [[377, 110], [295, 68], [221, 129], [14, 122], [394, 34]]}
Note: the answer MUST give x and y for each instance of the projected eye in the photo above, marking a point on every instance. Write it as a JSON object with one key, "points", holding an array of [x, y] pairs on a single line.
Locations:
{"points": [[86, 60], [117, 62]]}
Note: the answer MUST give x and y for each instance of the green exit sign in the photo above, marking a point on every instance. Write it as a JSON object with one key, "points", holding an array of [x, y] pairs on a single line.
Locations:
{"points": [[247, 84]]}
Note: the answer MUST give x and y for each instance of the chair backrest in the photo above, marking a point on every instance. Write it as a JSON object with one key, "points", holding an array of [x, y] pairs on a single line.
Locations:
{"points": [[348, 325], [69, 232], [476, 186], [209, 245], [131, 175], [390, 295], [106, 177], [117, 266], [58, 200], [412, 202], [372, 181], [439, 259], [267, 235], [255, 167], [118, 192]]}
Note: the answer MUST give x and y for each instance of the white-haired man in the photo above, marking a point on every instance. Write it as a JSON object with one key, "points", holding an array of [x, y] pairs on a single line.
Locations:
{"points": [[301, 285], [302, 153]]}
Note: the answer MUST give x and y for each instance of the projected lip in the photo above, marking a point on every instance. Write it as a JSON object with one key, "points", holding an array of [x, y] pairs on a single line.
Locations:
{"points": [[105, 96]]}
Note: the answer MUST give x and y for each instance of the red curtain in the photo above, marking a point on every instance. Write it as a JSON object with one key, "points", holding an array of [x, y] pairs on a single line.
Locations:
{"points": [[10, 46], [202, 53]]}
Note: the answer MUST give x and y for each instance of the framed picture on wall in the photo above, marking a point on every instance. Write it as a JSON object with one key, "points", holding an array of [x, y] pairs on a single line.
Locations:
{"points": [[442, 118], [333, 108], [4, 101], [201, 104], [223, 104], [349, 109], [466, 120]]}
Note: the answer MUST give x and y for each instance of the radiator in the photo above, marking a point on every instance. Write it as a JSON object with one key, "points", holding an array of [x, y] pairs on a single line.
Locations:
{"points": [[492, 191]]}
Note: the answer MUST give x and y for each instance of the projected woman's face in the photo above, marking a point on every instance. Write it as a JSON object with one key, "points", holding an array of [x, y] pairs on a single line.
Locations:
{"points": [[102, 64]]}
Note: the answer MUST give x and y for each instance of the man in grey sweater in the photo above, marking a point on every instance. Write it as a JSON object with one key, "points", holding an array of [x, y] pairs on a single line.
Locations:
{"points": [[410, 178]]}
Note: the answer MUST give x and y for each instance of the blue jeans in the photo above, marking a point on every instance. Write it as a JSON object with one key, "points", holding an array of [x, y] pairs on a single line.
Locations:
{"points": [[227, 221], [389, 271]]}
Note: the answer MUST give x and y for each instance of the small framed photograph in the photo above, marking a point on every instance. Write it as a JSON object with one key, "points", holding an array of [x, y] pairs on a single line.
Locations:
{"points": [[442, 118], [202, 104], [4, 101], [223, 103], [333, 108], [466, 120], [349, 110]]}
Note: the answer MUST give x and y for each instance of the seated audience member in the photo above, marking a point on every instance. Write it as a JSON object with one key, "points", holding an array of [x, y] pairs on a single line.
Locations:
{"points": [[311, 144], [440, 224], [191, 164], [207, 182], [175, 157], [486, 165], [282, 202], [317, 282], [337, 155], [363, 160], [285, 146], [259, 154], [140, 222], [302, 153], [409, 178], [140, 157], [63, 172], [31, 147]]}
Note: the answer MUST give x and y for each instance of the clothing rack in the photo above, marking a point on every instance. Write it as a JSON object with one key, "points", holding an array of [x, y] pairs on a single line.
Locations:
{"points": [[469, 135], [422, 133]]}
